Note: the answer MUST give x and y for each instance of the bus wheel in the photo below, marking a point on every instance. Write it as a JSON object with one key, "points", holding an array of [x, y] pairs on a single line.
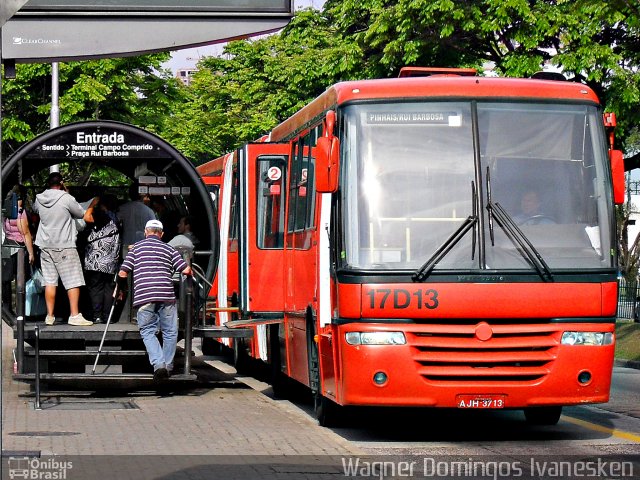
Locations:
{"points": [[327, 412], [240, 357], [279, 382], [542, 415]]}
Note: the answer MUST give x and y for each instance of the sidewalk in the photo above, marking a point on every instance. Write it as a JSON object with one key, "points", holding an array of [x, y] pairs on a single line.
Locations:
{"points": [[231, 422]]}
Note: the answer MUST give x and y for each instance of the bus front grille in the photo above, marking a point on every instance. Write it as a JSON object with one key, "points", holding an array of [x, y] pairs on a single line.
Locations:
{"points": [[484, 352]]}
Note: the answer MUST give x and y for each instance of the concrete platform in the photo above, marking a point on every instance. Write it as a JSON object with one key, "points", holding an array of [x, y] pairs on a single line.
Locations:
{"points": [[197, 431]]}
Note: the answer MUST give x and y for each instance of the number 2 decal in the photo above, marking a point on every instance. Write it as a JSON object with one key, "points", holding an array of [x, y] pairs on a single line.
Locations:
{"points": [[401, 298]]}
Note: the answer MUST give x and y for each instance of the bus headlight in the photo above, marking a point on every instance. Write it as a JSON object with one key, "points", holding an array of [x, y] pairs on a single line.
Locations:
{"points": [[587, 338], [375, 338]]}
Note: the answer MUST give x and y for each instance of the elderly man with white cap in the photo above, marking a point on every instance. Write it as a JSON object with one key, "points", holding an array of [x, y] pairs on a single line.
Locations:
{"points": [[153, 263]]}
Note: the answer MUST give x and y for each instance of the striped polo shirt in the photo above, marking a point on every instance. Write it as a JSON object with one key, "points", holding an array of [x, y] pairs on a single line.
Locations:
{"points": [[153, 263]]}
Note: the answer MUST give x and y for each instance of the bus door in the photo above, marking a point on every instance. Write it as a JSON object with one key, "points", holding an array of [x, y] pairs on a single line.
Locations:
{"points": [[301, 259], [222, 185], [213, 184], [262, 173]]}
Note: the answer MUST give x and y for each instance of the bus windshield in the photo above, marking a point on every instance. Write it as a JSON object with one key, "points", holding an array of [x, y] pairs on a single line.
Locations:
{"points": [[413, 173]]}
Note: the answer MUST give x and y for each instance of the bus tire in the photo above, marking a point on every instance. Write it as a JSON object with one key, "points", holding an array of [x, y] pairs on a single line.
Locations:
{"points": [[327, 412], [279, 381], [542, 415]]}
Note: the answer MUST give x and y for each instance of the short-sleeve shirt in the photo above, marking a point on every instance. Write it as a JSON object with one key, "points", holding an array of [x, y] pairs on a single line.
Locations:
{"points": [[153, 263]]}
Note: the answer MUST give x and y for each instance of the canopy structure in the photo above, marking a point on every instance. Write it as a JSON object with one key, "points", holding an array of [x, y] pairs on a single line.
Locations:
{"points": [[158, 168]]}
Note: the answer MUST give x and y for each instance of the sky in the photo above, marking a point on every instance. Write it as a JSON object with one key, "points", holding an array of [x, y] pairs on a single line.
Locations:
{"points": [[189, 57]]}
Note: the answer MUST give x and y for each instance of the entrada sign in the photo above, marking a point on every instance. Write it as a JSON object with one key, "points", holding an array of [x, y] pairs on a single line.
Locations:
{"points": [[98, 143]]}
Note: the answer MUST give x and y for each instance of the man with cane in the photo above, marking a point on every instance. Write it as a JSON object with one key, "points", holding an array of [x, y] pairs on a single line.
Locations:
{"points": [[153, 262]]}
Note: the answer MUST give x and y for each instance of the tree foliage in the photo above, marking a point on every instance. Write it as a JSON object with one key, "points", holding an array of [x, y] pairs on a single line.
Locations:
{"points": [[257, 83], [133, 90]]}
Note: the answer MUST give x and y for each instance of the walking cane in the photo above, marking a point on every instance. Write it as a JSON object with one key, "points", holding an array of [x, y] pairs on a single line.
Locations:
{"points": [[106, 327]]}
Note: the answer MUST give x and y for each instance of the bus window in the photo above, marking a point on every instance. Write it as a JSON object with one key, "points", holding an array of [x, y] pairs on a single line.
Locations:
{"points": [[235, 212], [270, 201], [214, 193], [301, 186], [294, 180], [311, 187]]}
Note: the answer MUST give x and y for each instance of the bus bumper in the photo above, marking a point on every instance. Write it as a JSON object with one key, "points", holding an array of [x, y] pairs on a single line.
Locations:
{"points": [[449, 366]]}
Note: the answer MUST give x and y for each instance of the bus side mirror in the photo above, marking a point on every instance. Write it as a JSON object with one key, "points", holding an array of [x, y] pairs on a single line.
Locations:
{"points": [[327, 157], [327, 164], [617, 173]]}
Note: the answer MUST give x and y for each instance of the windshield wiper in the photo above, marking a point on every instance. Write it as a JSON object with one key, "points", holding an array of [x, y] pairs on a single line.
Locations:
{"points": [[470, 222], [425, 270], [474, 214], [490, 207], [517, 237]]}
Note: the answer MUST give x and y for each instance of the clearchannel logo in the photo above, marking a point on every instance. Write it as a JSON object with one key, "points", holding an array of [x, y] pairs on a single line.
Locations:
{"points": [[36, 41], [36, 468]]}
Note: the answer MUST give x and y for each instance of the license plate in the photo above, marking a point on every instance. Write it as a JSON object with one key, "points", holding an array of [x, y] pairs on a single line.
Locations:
{"points": [[480, 401]]}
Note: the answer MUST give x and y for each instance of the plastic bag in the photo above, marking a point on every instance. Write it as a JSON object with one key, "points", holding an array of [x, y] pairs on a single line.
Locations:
{"points": [[38, 280], [35, 303]]}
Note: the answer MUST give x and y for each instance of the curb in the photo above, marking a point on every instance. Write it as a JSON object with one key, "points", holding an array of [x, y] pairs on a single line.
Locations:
{"points": [[627, 363]]}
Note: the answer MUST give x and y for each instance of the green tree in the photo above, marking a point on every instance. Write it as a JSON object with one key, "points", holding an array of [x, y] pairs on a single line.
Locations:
{"points": [[133, 90], [258, 83], [587, 40]]}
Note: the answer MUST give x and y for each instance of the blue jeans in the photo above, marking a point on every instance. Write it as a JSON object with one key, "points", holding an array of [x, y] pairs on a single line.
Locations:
{"points": [[162, 316]]}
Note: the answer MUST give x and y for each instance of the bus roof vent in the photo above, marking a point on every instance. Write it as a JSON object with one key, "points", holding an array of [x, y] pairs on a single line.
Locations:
{"points": [[558, 77], [429, 71]]}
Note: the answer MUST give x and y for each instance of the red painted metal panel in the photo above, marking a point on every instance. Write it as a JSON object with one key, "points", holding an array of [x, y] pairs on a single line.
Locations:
{"points": [[479, 300], [349, 300]]}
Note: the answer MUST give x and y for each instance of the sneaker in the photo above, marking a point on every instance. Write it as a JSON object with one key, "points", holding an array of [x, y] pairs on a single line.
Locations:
{"points": [[50, 320], [79, 321], [160, 374]]}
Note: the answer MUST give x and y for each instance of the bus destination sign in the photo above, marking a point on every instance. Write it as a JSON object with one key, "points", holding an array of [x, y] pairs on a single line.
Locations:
{"points": [[451, 119], [94, 144]]}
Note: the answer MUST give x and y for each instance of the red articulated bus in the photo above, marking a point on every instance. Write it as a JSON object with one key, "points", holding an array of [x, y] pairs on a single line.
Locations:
{"points": [[436, 240]]}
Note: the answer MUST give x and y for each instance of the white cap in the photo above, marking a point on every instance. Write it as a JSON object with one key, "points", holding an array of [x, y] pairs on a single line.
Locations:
{"points": [[154, 224]]}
